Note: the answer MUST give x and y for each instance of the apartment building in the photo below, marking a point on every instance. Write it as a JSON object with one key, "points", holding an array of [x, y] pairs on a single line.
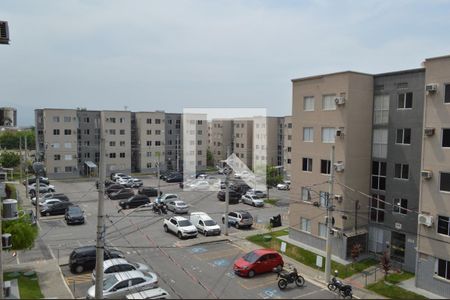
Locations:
{"points": [[333, 109], [243, 140], [8, 117], [267, 141], [395, 174], [174, 145], [221, 139], [56, 141], [195, 142], [287, 146], [149, 129], [433, 263], [88, 141], [117, 133]]}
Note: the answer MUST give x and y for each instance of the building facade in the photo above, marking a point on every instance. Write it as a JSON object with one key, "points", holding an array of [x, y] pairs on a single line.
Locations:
{"points": [[88, 141], [8, 117], [287, 147], [243, 141], [221, 139], [174, 138]]}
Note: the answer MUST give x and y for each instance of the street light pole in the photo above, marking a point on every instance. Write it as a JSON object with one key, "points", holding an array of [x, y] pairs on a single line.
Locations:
{"points": [[329, 218], [227, 193]]}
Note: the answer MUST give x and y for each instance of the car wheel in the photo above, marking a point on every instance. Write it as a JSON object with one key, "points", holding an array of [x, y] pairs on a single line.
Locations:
{"points": [[47, 214], [180, 236], [79, 269], [251, 273], [236, 225], [166, 229], [127, 206]]}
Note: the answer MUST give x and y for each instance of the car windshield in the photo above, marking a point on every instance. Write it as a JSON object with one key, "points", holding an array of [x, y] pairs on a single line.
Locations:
{"points": [[210, 223], [109, 282], [180, 203], [246, 215], [251, 257], [184, 223], [75, 210]]}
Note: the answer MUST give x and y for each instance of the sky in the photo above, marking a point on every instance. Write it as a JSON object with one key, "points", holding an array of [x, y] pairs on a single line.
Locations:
{"points": [[170, 55]]}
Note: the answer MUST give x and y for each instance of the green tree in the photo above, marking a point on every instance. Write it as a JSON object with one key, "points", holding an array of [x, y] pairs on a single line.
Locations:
{"points": [[209, 158], [23, 233], [9, 159], [11, 139], [272, 176]]}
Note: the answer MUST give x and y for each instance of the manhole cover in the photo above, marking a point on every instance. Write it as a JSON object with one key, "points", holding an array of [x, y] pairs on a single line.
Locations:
{"points": [[29, 273]]}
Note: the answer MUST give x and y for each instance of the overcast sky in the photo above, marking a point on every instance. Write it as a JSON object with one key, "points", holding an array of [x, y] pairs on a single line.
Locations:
{"points": [[169, 55]]}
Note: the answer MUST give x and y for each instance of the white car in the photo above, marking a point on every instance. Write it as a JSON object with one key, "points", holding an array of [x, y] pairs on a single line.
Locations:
{"points": [[123, 181], [157, 293], [204, 223], [252, 200], [177, 206], [182, 227], [165, 198], [135, 182], [115, 265], [118, 175], [43, 188], [198, 185], [284, 186], [256, 193], [118, 285]]}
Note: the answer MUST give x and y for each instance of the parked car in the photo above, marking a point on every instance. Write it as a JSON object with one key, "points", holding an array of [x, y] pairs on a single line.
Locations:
{"points": [[198, 185], [156, 293], [32, 180], [239, 219], [118, 285], [177, 206], [134, 201], [234, 196], [182, 227], [204, 223], [124, 193], [240, 186], [113, 188], [163, 175], [116, 265], [175, 178], [50, 201], [164, 198], [74, 215], [256, 193], [257, 262], [124, 181], [135, 182], [115, 175], [148, 191], [285, 185], [252, 200], [83, 258], [50, 195], [55, 209], [107, 183], [43, 188]]}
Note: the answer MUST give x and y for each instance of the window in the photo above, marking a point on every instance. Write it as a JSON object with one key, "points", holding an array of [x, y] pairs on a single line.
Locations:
{"points": [[289, 137], [122, 131], [446, 137], [443, 268], [199, 132], [377, 208], [380, 141], [67, 132], [56, 119], [57, 157], [447, 93], [405, 100], [112, 155], [322, 230], [199, 143], [86, 131], [199, 152], [444, 184], [112, 131], [289, 149], [122, 143], [55, 131], [401, 206], [122, 154], [149, 132], [308, 104], [325, 166], [149, 121], [381, 109], [306, 195], [157, 132], [68, 145], [199, 122], [328, 102], [68, 157], [149, 154], [199, 163], [55, 145], [308, 134], [289, 161], [289, 125], [323, 196], [443, 225], [67, 119], [307, 164], [403, 136], [112, 144], [149, 143], [305, 224], [68, 169], [401, 171], [157, 143], [328, 134]]}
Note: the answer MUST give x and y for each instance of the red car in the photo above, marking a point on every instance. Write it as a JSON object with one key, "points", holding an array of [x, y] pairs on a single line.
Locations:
{"points": [[258, 261]]}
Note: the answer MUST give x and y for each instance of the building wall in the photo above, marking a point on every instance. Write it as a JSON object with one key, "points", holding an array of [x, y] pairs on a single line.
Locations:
{"points": [[8, 117], [117, 132], [195, 142], [174, 138], [243, 141], [287, 146], [221, 139], [88, 139]]}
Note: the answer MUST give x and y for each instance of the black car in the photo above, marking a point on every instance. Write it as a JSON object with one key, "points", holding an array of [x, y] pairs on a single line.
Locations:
{"points": [[74, 215], [166, 174], [55, 209], [122, 194], [240, 187], [83, 258], [107, 183], [234, 196], [148, 191], [113, 188], [33, 180], [175, 178], [134, 201]]}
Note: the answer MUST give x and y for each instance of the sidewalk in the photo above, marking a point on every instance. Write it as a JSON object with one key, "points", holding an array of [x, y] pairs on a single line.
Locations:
{"points": [[410, 286]]}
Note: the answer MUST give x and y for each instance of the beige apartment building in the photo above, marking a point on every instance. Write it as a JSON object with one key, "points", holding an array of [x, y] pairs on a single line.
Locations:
{"points": [[287, 147], [433, 263], [116, 126], [267, 141], [150, 141], [56, 141], [221, 139], [195, 142], [243, 141], [333, 109]]}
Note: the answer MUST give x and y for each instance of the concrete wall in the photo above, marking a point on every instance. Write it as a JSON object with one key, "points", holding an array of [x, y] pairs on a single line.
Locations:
{"points": [[88, 139], [426, 279], [174, 144]]}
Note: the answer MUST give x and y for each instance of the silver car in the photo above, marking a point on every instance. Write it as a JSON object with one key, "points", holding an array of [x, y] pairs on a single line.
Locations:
{"points": [[118, 285], [177, 206], [252, 200], [115, 265]]}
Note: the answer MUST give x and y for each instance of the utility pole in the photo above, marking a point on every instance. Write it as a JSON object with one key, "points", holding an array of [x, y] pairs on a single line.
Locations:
{"points": [[356, 215], [329, 218], [2, 296], [37, 174], [21, 158], [26, 168], [157, 153], [177, 146], [100, 245], [227, 193]]}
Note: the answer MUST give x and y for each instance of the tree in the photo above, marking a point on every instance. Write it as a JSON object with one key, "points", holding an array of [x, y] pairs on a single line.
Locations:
{"points": [[272, 176], [9, 159], [23, 233], [385, 262], [11, 139], [356, 251], [209, 158]]}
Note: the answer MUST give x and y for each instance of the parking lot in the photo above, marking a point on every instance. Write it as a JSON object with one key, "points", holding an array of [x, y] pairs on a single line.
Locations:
{"points": [[186, 268]]}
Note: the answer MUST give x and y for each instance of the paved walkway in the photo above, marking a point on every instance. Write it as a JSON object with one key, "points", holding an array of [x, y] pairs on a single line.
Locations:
{"points": [[410, 286]]}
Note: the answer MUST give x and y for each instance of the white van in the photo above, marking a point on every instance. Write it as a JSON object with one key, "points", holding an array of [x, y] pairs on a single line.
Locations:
{"points": [[204, 223], [156, 293]]}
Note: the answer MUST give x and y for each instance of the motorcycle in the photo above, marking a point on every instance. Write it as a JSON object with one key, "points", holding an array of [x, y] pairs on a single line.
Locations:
{"points": [[345, 290], [288, 276], [159, 208]]}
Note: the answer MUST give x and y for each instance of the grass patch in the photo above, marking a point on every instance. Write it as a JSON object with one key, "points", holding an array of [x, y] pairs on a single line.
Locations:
{"points": [[393, 291], [307, 257], [271, 201], [28, 286], [398, 277]]}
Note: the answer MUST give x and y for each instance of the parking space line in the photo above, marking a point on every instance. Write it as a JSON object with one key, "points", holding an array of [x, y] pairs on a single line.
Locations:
{"points": [[310, 293], [217, 254], [255, 286], [78, 278]]}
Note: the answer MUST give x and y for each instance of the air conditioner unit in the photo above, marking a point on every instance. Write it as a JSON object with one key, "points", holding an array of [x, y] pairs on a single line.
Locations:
{"points": [[339, 166], [429, 131], [431, 88], [339, 100], [4, 32], [426, 174], [340, 132], [338, 197], [425, 220]]}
